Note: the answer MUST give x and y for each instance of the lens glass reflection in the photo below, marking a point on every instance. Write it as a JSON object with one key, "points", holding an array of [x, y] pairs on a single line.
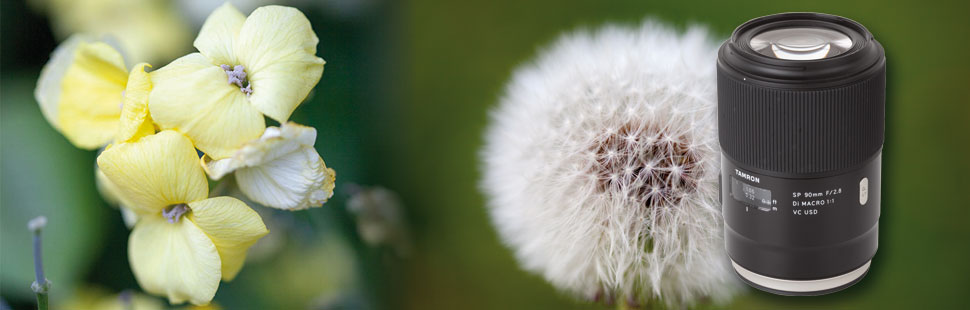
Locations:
{"points": [[801, 43]]}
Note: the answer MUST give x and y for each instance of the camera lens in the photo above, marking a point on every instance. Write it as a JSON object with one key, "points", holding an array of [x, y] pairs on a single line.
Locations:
{"points": [[801, 43], [801, 116]]}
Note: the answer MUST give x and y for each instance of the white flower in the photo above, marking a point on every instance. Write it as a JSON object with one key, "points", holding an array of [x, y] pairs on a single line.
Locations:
{"points": [[601, 166], [281, 169]]}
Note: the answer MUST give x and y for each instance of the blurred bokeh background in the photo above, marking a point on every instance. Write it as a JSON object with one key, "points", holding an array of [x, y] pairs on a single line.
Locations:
{"points": [[402, 104]]}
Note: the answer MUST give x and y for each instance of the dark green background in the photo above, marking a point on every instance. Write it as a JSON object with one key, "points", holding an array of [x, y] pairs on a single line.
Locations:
{"points": [[403, 103]]}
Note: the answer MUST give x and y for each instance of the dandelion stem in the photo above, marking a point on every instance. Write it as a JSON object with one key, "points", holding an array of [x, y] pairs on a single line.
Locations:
{"points": [[40, 285]]}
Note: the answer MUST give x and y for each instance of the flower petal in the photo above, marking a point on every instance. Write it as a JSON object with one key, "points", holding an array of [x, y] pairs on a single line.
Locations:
{"points": [[89, 105], [278, 48], [295, 181], [218, 33], [112, 195], [233, 228], [154, 172], [216, 169], [48, 91], [193, 96], [280, 170], [271, 145], [109, 191], [177, 260], [135, 121], [91, 297], [129, 217]]}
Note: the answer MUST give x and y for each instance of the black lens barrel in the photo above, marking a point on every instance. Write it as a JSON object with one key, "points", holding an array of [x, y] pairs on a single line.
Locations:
{"points": [[801, 118], [801, 145], [796, 133]]}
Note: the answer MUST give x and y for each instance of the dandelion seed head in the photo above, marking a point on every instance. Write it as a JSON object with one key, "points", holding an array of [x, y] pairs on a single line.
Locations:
{"points": [[634, 111]]}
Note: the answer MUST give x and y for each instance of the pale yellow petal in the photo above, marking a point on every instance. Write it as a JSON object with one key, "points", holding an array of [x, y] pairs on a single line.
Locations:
{"points": [[149, 30], [135, 121], [129, 217], [193, 96], [218, 33], [96, 298], [90, 102], [175, 260], [48, 91], [216, 169], [154, 172], [281, 169], [138, 302], [109, 191], [274, 142], [233, 228], [112, 195], [278, 48], [295, 181]]}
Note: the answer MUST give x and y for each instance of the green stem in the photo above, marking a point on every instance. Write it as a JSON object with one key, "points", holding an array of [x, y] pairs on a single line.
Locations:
{"points": [[40, 286], [42, 301]]}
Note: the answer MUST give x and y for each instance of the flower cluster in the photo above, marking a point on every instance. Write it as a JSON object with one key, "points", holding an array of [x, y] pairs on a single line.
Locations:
{"points": [[601, 167], [153, 125]]}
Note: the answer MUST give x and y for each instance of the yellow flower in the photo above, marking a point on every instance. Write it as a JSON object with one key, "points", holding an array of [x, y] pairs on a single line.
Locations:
{"points": [[82, 89], [281, 169], [149, 30], [246, 68], [96, 298], [183, 243]]}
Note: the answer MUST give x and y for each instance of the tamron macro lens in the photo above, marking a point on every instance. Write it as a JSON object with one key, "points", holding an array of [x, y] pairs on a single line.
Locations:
{"points": [[801, 112]]}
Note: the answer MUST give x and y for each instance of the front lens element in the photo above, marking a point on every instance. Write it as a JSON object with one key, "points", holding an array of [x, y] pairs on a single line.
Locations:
{"points": [[801, 43]]}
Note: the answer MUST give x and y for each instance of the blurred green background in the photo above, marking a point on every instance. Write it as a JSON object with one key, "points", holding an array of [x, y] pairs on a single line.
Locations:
{"points": [[402, 104]]}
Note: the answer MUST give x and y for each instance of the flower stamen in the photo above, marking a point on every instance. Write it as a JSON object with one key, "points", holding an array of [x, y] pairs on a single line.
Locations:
{"points": [[237, 76], [175, 212]]}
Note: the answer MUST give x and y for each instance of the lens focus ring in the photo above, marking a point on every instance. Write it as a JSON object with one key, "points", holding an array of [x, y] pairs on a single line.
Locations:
{"points": [[801, 132]]}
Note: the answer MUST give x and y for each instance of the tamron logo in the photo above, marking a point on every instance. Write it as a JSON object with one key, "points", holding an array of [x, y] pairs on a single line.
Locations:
{"points": [[747, 176]]}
